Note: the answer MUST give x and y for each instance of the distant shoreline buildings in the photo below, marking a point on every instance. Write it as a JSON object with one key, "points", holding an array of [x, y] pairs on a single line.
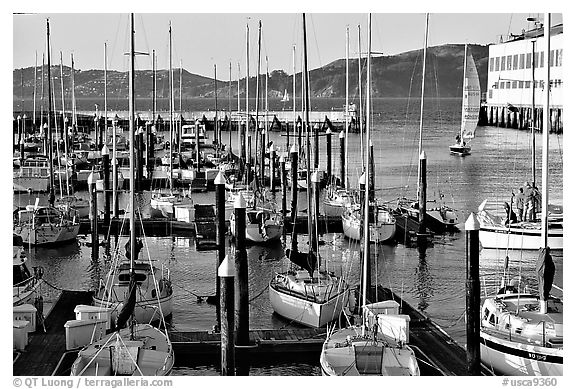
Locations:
{"points": [[516, 72]]}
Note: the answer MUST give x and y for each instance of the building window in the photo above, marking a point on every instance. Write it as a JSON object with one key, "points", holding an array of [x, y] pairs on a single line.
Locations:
{"points": [[490, 94], [529, 61], [521, 63], [495, 86], [502, 63], [502, 84], [491, 64], [515, 62], [513, 84], [526, 84], [536, 60], [541, 82], [497, 64], [507, 84], [541, 59], [559, 59], [509, 62], [520, 84], [552, 58]]}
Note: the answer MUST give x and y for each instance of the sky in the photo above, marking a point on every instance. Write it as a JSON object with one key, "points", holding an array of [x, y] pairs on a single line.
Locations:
{"points": [[202, 40]]}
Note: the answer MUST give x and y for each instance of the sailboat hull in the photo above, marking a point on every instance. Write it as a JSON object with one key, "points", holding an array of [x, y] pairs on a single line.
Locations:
{"points": [[514, 358], [500, 237], [297, 308], [460, 150], [380, 232]]}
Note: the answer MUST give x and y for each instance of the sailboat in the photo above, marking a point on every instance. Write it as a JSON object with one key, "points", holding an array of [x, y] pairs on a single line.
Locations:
{"points": [[441, 218], [378, 346], [285, 98], [312, 297], [139, 349], [39, 225], [163, 203], [470, 106], [521, 333], [25, 285]]}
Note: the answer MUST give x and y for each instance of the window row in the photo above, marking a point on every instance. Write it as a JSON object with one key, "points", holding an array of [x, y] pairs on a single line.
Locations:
{"points": [[524, 61], [518, 84]]}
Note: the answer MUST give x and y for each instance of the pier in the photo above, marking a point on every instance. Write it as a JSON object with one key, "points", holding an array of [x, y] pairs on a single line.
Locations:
{"points": [[438, 354]]}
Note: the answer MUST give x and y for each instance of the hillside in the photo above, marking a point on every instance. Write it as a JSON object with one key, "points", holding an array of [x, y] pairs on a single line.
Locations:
{"points": [[393, 76]]}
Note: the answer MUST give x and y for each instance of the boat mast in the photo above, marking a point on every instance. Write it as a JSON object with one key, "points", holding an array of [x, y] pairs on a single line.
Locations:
{"points": [[366, 227], [171, 81], [247, 129], [74, 121], [311, 237], [132, 202], [360, 90], [545, 129], [64, 121], [51, 197], [294, 93], [34, 98], [533, 115], [422, 100], [346, 108], [180, 114], [464, 93], [106, 95]]}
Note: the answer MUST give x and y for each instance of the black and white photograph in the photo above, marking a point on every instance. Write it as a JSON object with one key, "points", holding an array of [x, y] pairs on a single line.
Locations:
{"points": [[303, 190]]}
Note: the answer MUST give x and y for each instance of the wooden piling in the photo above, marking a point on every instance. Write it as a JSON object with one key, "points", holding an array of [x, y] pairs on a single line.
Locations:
{"points": [[106, 170], [93, 215], [226, 311], [140, 165], [283, 184], [272, 169], [342, 159], [241, 311], [422, 194], [472, 227], [197, 137], [219, 183], [294, 203], [262, 154], [316, 146], [329, 155], [313, 235]]}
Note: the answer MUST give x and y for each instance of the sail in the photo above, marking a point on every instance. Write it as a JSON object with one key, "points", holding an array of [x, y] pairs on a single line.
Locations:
{"points": [[129, 304], [306, 261], [545, 270], [285, 98], [471, 99]]}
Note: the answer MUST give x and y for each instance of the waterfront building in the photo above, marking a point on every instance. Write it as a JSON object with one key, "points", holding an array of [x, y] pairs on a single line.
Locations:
{"points": [[512, 76]]}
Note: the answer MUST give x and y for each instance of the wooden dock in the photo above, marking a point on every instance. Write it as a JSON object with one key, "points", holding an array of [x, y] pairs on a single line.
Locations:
{"points": [[45, 349], [438, 354]]}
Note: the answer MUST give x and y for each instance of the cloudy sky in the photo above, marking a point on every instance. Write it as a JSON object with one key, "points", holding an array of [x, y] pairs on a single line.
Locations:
{"points": [[201, 40]]}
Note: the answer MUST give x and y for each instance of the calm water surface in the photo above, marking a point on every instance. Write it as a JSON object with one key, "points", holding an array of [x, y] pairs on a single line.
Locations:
{"points": [[433, 281]]}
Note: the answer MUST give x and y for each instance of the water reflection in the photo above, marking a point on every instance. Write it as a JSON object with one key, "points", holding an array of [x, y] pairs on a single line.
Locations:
{"points": [[423, 281]]}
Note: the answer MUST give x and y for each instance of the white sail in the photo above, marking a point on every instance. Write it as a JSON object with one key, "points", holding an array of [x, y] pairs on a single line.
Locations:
{"points": [[285, 98], [470, 99]]}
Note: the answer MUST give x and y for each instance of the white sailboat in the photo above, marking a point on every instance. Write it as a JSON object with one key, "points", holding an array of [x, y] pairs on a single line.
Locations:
{"points": [[441, 218], [25, 285], [286, 97], [312, 297], [521, 333], [470, 106], [139, 349], [378, 346]]}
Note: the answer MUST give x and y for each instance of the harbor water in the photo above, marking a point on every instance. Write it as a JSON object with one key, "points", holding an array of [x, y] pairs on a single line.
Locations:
{"points": [[432, 280]]}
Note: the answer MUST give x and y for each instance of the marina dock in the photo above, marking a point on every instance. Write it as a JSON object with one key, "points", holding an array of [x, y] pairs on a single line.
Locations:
{"points": [[46, 354]]}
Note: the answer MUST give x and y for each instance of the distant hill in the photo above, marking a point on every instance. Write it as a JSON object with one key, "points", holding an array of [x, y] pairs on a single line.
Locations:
{"points": [[393, 76]]}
